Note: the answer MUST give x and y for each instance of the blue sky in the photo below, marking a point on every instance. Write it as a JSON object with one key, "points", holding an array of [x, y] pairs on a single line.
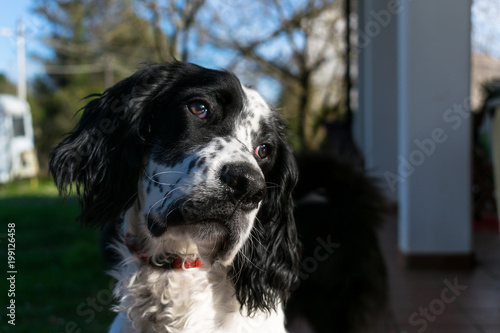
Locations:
{"points": [[486, 33], [9, 16], [486, 27]]}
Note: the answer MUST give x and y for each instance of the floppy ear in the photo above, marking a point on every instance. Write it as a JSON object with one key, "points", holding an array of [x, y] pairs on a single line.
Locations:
{"points": [[103, 154], [266, 269]]}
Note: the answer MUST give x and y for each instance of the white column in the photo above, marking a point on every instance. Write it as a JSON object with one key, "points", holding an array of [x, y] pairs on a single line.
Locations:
{"points": [[434, 164]]}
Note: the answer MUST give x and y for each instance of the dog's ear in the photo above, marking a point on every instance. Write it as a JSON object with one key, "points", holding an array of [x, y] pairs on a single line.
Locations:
{"points": [[104, 154], [266, 269]]}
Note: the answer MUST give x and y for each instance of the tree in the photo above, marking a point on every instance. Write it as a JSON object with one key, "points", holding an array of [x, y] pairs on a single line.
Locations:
{"points": [[6, 87], [94, 43], [174, 24], [299, 44]]}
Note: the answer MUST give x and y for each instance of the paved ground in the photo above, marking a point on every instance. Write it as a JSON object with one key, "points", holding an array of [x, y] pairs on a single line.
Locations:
{"points": [[424, 300]]}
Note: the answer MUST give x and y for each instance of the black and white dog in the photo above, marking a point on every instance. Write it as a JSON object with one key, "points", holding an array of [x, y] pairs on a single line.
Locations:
{"points": [[198, 169]]}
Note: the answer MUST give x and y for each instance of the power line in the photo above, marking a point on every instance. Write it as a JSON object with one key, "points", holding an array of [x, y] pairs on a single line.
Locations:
{"points": [[74, 69]]}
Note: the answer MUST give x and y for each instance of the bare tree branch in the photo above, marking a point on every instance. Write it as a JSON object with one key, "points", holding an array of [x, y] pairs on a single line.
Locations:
{"points": [[308, 33]]}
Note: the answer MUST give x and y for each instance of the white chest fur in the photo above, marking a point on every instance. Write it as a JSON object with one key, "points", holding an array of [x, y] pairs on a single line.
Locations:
{"points": [[190, 301]]}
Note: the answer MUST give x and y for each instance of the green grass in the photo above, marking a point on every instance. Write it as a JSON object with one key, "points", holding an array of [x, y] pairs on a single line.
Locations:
{"points": [[60, 282]]}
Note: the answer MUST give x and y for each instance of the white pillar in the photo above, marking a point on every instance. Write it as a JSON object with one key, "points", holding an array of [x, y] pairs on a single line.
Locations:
{"points": [[434, 164]]}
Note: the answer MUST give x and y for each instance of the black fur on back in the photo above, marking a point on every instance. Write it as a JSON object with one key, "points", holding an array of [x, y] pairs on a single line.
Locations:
{"points": [[347, 292]]}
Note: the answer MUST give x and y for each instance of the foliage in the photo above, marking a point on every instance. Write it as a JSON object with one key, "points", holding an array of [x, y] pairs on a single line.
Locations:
{"points": [[6, 87], [94, 43]]}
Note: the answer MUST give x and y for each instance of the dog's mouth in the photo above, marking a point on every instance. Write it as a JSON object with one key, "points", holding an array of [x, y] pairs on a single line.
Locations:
{"points": [[210, 234], [207, 225], [157, 226], [216, 228]]}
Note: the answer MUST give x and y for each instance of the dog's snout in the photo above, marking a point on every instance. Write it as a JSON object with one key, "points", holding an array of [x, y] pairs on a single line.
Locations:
{"points": [[245, 185]]}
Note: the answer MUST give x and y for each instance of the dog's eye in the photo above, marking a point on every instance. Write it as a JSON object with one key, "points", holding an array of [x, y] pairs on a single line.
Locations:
{"points": [[264, 150], [199, 109]]}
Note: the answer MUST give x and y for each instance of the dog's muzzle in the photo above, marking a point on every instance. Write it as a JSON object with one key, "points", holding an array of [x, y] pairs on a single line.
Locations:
{"points": [[239, 190]]}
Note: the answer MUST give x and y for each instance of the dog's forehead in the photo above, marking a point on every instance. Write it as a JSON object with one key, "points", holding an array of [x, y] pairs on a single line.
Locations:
{"points": [[254, 97], [255, 102], [254, 115]]}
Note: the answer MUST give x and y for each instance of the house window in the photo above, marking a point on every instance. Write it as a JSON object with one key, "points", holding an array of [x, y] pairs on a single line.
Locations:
{"points": [[18, 124]]}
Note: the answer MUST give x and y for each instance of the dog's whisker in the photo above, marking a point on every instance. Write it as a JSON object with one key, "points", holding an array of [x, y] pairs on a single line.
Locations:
{"points": [[253, 238], [250, 261], [163, 172], [171, 211], [273, 185], [162, 199], [237, 275], [128, 201], [166, 172]]}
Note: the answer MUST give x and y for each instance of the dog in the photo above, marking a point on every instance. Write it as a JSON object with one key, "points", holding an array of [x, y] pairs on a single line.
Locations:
{"points": [[343, 278], [195, 171]]}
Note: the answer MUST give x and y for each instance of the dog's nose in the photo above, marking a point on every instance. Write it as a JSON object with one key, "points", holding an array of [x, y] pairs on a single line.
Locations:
{"points": [[245, 185]]}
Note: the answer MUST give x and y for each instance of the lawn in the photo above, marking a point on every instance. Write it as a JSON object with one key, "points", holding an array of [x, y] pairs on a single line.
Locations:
{"points": [[60, 284]]}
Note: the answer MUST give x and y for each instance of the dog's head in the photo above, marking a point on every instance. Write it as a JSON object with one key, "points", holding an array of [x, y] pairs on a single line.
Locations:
{"points": [[200, 162]]}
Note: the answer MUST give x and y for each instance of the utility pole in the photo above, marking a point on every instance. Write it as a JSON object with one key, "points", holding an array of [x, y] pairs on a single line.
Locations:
{"points": [[347, 71], [21, 62]]}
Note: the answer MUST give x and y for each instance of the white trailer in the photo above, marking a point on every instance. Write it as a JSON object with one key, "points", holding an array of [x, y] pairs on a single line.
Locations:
{"points": [[17, 145]]}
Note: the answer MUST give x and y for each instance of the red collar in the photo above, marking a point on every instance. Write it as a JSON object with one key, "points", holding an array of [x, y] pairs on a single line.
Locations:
{"points": [[175, 262]]}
